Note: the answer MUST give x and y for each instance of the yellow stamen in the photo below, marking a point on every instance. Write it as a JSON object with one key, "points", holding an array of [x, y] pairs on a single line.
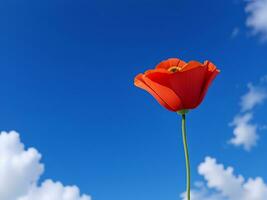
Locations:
{"points": [[174, 69]]}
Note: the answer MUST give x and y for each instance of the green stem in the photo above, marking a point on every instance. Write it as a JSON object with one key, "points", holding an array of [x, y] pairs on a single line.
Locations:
{"points": [[186, 157]]}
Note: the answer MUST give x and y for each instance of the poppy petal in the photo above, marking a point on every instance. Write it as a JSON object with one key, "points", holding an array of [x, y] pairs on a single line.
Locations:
{"points": [[191, 65], [166, 94], [139, 82], [156, 70], [187, 85], [210, 76], [166, 64], [211, 66], [184, 86]]}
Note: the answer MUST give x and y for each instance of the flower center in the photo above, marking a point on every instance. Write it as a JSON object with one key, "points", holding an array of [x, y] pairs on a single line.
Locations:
{"points": [[174, 69]]}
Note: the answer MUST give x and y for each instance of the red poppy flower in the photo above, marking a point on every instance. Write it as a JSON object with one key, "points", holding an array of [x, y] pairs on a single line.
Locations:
{"points": [[178, 85]]}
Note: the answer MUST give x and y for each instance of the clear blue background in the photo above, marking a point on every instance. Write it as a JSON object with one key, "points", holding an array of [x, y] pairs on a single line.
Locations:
{"points": [[67, 70]]}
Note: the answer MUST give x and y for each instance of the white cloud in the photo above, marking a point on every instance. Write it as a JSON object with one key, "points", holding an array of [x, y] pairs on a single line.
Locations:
{"points": [[245, 133], [257, 17], [50, 190], [201, 192], [20, 170], [255, 96], [223, 180], [226, 184]]}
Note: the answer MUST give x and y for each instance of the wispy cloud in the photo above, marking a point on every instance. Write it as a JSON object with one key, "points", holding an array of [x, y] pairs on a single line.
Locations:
{"points": [[226, 184], [20, 170], [245, 132], [257, 17], [255, 96], [235, 32]]}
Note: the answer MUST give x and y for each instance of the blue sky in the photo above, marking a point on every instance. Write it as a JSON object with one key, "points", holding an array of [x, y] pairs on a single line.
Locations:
{"points": [[67, 70]]}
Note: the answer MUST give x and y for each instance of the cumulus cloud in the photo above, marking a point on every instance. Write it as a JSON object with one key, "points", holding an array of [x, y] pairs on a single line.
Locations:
{"points": [[226, 184], [201, 192], [257, 17], [255, 96], [20, 170], [245, 133], [50, 190]]}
